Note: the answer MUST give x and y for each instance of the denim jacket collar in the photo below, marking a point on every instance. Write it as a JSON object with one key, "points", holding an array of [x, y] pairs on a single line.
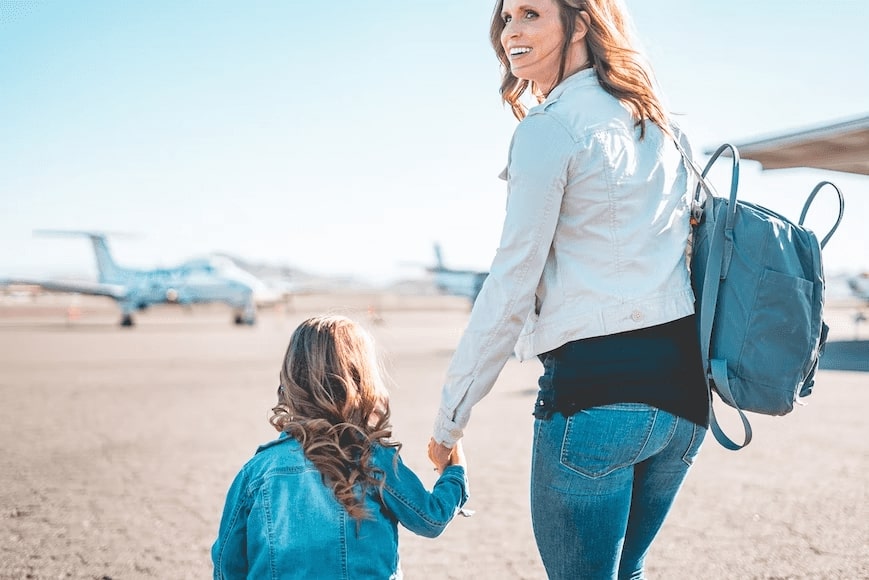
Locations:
{"points": [[282, 438]]}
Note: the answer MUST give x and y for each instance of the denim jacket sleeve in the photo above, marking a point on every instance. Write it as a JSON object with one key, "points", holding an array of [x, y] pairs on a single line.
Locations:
{"points": [[541, 154], [420, 511], [229, 553]]}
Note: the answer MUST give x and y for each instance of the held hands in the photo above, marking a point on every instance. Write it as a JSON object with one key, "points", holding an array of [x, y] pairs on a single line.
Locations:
{"points": [[442, 456]]}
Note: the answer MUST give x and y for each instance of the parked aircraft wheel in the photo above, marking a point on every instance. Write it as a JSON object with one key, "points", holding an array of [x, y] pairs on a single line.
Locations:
{"points": [[126, 320], [242, 318], [246, 314]]}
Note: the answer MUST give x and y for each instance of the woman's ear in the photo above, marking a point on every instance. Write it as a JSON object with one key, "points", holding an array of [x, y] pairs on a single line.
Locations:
{"points": [[583, 23]]}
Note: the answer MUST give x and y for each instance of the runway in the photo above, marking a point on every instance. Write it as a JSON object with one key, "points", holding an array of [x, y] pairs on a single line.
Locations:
{"points": [[118, 446]]}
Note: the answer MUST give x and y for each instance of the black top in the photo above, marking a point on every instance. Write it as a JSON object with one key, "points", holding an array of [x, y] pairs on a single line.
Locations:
{"points": [[659, 366]]}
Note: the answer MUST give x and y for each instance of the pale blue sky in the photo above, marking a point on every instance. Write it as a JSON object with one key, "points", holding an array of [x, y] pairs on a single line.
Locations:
{"points": [[345, 136]]}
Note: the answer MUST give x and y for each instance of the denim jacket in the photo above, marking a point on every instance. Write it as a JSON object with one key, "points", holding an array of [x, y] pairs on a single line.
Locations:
{"points": [[593, 242], [281, 521]]}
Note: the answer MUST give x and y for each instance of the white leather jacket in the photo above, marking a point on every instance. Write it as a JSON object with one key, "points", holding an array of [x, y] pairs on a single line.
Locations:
{"points": [[593, 242]]}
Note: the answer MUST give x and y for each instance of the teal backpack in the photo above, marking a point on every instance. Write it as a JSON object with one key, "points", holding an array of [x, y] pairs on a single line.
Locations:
{"points": [[759, 285]]}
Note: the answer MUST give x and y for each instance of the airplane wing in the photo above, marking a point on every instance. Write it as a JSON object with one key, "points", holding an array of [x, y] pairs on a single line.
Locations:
{"points": [[81, 287], [842, 146]]}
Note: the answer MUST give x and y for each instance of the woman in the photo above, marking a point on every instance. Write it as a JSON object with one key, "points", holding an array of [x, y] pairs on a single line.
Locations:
{"points": [[591, 277]]}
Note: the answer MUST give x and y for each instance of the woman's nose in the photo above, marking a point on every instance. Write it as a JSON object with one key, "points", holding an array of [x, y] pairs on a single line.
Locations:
{"points": [[510, 31]]}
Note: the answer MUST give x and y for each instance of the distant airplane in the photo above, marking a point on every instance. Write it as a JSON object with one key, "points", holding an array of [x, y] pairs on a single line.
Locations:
{"points": [[860, 285], [272, 285], [195, 281], [466, 283], [841, 146]]}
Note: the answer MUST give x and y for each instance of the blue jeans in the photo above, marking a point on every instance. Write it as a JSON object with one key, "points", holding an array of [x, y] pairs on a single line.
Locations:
{"points": [[602, 482]]}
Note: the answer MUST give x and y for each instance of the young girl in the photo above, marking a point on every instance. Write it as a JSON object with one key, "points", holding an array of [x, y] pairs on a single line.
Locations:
{"points": [[324, 499]]}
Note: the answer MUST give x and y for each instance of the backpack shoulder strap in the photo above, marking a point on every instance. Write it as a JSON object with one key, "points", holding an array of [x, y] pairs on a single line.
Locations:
{"points": [[720, 232], [722, 385]]}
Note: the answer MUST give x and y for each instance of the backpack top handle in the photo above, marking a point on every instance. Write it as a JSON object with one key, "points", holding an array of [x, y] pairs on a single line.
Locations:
{"points": [[734, 179], [808, 204]]}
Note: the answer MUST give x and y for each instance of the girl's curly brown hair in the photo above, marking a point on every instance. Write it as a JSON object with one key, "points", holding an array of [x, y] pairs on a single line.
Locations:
{"points": [[333, 401]]}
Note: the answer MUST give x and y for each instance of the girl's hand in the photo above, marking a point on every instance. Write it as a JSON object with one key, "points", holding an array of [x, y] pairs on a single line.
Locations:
{"points": [[439, 454]]}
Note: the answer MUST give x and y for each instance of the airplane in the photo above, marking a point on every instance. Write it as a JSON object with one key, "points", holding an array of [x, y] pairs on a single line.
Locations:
{"points": [[272, 285], [859, 285], [839, 146], [466, 283], [196, 281]]}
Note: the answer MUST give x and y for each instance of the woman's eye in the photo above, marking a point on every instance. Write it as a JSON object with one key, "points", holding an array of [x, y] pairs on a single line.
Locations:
{"points": [[531, 14], [506, 18]]}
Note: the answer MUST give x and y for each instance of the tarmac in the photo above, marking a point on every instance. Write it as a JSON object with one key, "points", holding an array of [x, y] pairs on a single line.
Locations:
{"points": [[119, 444]]}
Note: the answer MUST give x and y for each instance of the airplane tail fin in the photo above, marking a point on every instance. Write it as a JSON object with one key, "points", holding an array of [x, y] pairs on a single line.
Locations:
{"points": [[439, 259], [109, 271]]}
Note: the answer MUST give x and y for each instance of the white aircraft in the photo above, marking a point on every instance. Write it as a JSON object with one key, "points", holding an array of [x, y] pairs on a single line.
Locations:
{"points": [[197, 281], [842, 146], [859, 285], [465, 283], [272, 285]]}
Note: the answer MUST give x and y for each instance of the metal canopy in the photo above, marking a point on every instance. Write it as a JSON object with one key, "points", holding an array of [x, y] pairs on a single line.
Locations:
{"points": [[841, 146]]}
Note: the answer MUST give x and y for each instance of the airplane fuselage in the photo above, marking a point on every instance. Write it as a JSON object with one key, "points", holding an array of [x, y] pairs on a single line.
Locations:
{"points": [[183, 285]]}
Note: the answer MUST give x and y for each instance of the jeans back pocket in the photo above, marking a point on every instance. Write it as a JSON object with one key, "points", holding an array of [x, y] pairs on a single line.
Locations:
{"points": [[600, 440]]}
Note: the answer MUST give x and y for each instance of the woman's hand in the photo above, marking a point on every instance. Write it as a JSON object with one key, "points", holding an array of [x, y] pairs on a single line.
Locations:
{"points": [[457, 455], [440, 455]]}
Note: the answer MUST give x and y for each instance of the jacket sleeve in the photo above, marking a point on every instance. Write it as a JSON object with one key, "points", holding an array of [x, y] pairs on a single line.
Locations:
{"points": [[540, 156], [229, 552], [420, 511]]}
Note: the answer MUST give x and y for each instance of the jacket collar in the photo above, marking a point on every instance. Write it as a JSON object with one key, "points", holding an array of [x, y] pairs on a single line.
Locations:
{"points": [[284, 437], [583, 77]]}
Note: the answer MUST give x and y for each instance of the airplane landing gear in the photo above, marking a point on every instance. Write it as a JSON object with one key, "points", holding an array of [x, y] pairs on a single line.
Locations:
{"points": [[127, 320], [246, 316]]}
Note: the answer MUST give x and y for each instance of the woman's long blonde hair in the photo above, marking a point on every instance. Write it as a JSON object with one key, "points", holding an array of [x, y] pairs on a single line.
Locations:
{"points": [[621, 69], [333, 401]]}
